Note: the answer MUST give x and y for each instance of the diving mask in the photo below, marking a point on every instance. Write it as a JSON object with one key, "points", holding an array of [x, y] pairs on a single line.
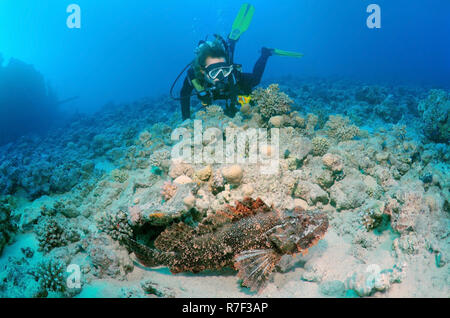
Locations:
{"points": [[219, 71]]}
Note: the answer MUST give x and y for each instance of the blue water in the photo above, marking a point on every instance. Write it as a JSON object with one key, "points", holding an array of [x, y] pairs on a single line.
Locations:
{"points": [[127, 50]]}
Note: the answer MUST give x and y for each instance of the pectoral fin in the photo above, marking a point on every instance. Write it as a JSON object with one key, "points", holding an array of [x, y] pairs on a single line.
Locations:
{"points": [[255, 267]]}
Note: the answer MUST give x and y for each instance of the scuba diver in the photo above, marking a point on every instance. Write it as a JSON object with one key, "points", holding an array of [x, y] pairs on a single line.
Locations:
{"points": [[213, 74]]}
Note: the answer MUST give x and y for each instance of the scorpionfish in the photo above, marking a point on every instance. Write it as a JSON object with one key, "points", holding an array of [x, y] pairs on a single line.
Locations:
{"points": [[251, 237]]}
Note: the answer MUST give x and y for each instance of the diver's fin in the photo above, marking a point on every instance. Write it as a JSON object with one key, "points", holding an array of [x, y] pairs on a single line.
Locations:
{"points": [[286, 53], [242, 21], [255, 267]]}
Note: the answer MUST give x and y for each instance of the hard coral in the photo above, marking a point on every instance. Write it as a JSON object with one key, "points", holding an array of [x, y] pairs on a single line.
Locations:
{"points": [[217, 182], [52, 233], [271, 101], [115, 225], [51, 276], [160, 159], [371, 214], [320, 146], [339, 128]]}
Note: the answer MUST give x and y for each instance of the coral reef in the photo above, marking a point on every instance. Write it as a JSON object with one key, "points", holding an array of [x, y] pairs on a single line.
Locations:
{"points": [[271, 102], [356, 153], [158, 213], [119, 175], [371, 94], [435, 115], [69, 155], [7, 229]]}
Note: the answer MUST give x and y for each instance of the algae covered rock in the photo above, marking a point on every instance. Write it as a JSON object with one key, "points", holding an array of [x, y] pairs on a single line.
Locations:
{"points": [[233, 174], [310, 192], [293, 145], [160, 213], [333, 162], [435, 112], [333, 288], [348, 193], [366, 280], [107, 257]]}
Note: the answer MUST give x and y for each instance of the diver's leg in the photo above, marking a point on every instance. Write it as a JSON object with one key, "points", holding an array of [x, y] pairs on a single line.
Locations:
{"points": [[260, 65], [230, 110]]}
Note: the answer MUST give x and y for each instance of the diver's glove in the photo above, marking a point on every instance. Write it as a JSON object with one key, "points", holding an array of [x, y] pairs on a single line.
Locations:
{"points": [[266, 52]]}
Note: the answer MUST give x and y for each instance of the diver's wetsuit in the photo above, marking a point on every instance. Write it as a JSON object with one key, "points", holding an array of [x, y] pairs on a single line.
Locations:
{"points": [[244, 84]]}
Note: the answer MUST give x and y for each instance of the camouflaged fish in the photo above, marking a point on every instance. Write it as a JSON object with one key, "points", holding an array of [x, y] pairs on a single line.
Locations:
{"points": [[251, 237]]}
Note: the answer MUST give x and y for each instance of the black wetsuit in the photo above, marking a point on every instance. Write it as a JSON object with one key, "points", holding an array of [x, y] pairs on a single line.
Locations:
{"points": [[240, 84]]}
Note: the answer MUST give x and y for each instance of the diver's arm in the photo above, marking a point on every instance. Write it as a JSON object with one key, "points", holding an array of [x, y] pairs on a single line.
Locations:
{"points": [[185, 99], [231, 48], [248, 81], [260, 66]]}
